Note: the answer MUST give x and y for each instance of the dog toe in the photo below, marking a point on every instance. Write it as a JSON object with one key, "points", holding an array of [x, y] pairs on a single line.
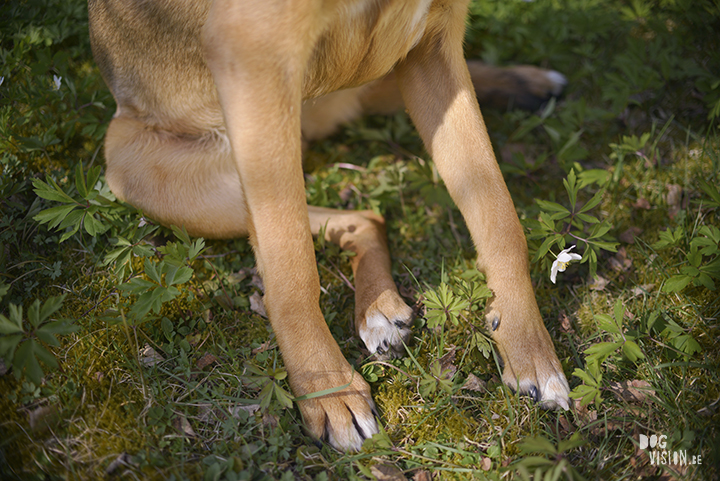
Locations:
{"points": [[385, 326], [344, 421]]}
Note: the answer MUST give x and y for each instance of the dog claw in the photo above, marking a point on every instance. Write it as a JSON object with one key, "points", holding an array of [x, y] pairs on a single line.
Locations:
{"points": [[533, 392], [385, 327]]}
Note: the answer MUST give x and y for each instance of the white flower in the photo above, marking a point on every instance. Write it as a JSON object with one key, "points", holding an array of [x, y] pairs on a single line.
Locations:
{"points": [[57, 81], [562, 261]]}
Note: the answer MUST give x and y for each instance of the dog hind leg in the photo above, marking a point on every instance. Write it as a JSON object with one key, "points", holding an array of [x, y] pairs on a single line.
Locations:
{"points": [[381, 316]]}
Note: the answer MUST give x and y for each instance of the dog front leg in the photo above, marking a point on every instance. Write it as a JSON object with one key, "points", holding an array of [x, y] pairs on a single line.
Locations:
{"points": [[257, 57], [438, 92]]}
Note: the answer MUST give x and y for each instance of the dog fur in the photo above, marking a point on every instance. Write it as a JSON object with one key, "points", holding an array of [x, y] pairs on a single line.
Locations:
{"points": [[214, 99]]}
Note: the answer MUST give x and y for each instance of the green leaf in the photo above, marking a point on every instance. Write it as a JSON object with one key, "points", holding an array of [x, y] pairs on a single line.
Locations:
{"points": [[593, 202], [571, 188], [282, 395], [60, 327], [619, 312], [9, 327], [590, 219], [552, 206], [704, 280], [92, 178], [153, 272], [54, 215], [168, 329], [51, 306], [73, 219], [47, 337], [607, 324], [53, 192], [601, 351], [632, 351], [80, 180], [93, 226], [45, 356], [34, 313], [687, 344], [676, 283], [537, 444], [8, 344], [178, 275]]}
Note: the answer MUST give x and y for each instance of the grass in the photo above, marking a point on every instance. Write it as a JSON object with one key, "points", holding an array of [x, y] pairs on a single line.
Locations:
{"points": [[147, 360]]}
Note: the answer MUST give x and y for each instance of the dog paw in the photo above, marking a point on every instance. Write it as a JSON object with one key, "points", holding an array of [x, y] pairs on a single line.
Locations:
{"points": [[344, 419], [531, 366], [386, 325]]}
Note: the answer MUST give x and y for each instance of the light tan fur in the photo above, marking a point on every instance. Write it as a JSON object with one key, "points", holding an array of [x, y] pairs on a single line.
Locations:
{"points": [[213, 100]]}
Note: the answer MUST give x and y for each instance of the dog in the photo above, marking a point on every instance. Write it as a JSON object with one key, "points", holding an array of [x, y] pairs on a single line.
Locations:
{"points": [[214, 100]]}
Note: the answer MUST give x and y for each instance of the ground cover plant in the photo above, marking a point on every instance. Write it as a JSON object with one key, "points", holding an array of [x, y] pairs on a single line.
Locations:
{"points": [[134, 351]]}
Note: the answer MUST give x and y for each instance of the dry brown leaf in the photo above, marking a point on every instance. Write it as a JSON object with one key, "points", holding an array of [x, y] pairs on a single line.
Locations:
{"points": [[620, 262], [123, 460], [205, 361], [584, 415], [265, 346], [629, 235], [643, 289], [474, 383], [635, 391], [149, 356], [256, 304], [422, 475], [182, 426], [387, 472], [565, 324], [43, 417], [673, 199], [598, 283], [642, 204], [447, 368]]}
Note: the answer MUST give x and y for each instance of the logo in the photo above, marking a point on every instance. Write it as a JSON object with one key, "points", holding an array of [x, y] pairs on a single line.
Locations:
{"points": [[656, 447]]}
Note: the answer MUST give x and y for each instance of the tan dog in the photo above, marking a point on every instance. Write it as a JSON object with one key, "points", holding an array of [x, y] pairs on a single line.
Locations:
{"points": [[207, 135]]}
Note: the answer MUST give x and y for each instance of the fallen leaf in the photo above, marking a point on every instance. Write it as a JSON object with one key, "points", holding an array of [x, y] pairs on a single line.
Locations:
{"points": [[642, 289], [474, 383], [584, 415], [422, 475], [635, 391], [123, 460], [598, 283], [673, 199], [642, 204], [486, 464], [182, 426], [629, 235], [265, 346], [43, 417], [249, 408], [149, 357], [205, 361], [447, 368], [565, 324], [387, 472], [270, 420], [256, 304], [620, 261], [565, 424]]}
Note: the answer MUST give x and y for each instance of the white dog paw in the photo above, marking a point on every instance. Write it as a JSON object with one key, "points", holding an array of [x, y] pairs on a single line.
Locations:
{"points": [[386, 325]]}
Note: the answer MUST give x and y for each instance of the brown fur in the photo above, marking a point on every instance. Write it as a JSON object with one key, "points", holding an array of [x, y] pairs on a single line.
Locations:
{"points": [[208, 135]]}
